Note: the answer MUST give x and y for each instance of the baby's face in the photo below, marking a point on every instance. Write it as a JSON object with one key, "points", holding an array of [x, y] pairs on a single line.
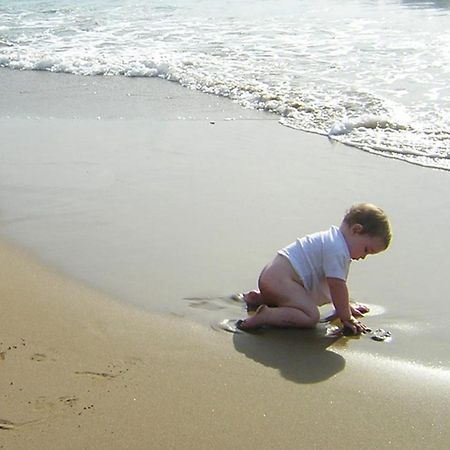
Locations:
{"points": [[361, 245]]}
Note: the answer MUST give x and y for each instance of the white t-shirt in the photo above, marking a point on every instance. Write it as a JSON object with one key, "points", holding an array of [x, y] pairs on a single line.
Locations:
{"points": [[317, 257]]}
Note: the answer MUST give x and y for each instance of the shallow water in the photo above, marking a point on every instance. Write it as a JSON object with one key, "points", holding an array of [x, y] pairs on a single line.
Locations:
{"points": [[372, 74]]}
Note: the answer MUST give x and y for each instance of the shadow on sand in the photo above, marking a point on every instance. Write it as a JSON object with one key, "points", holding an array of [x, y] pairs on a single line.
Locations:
{"points": [[301, 356]]}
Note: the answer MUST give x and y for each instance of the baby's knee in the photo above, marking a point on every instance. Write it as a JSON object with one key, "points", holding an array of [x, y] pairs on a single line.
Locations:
{"points": [[313, 316]]}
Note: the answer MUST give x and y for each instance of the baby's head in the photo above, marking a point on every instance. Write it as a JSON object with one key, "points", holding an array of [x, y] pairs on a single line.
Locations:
{"points": [[367, 220]]}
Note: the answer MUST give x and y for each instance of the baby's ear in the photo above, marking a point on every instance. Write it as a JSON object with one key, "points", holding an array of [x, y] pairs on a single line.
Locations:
{"points": [[357, 228]]}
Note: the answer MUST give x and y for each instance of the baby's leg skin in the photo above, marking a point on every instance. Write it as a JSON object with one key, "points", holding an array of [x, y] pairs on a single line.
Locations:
{"points": [[280, 287], [280, 316]]}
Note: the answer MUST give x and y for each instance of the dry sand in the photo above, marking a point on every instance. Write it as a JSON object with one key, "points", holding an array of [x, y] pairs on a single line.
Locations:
{"points": [[164, 218]]}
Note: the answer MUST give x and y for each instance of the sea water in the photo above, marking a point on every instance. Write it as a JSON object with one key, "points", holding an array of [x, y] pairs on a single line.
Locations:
{"points": [[371, 74]]}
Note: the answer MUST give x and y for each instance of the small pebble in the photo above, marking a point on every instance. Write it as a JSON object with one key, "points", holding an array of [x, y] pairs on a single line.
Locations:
{"points": [[381, 335]]}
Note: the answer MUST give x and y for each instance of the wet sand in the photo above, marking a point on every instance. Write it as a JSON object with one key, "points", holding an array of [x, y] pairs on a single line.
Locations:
{"points": [[142, 207]]}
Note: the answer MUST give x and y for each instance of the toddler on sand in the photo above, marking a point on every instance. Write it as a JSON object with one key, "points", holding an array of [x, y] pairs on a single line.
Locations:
{"points": [[313, 271]]}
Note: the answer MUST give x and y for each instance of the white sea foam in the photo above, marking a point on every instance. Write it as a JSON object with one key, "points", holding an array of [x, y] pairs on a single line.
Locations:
{"points": [[369, 74]]}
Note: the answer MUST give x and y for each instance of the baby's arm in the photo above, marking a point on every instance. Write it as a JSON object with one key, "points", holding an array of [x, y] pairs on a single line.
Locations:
{"points": [[340, 298]]}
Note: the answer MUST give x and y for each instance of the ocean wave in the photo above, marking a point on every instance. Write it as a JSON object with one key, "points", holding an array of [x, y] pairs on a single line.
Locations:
{"points": [[346, 126], [317, 75]]}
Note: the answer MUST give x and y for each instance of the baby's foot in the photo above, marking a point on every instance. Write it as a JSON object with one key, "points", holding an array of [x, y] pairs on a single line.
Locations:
{"points": [[252, 299], [256, 321]]}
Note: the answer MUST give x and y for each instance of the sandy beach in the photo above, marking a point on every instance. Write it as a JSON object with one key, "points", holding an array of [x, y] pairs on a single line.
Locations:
{"points": [[130, 212]]}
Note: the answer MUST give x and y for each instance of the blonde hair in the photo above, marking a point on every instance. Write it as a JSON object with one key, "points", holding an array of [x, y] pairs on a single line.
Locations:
{"points": [[373, 220]]}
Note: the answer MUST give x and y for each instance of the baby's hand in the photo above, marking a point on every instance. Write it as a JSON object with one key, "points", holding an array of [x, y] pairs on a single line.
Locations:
{"points": [[359, 310], [353, 326]]}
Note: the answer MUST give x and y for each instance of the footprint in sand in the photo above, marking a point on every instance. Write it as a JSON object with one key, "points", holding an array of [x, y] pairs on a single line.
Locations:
{"points": [[114, 369], [92, 374], [215, 303], [43, 403], [69, 400], [6, 424], [10, 348]]}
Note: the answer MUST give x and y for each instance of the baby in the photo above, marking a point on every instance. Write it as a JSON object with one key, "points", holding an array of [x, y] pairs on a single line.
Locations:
{"points": [[313, 271]]}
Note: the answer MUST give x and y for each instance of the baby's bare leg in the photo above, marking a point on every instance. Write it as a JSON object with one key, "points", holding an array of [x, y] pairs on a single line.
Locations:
{"points": [[291, 304], [281, 316]]}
